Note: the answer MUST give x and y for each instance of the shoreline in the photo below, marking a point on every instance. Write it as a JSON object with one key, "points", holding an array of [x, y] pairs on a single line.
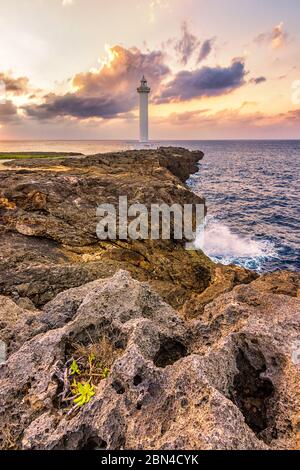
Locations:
{"points": [[179, 332]]}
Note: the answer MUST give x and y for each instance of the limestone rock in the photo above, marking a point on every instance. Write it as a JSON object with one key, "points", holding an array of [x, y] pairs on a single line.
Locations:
{"points": [[17, 324], [280, 282], [252, 347], [227, 381]]}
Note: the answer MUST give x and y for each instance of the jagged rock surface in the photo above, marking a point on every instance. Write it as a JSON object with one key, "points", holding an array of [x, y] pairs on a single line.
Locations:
{"points": [[48, 227], [280, 282], [227, 381]]}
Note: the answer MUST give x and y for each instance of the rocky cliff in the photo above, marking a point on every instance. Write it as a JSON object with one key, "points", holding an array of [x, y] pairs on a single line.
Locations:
{"points": [[173, 350], [48, 227]]}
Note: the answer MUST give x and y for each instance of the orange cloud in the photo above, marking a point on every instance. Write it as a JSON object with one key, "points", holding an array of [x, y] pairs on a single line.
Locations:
{"points": [[233, 118], [106, 92], [277, 38]]}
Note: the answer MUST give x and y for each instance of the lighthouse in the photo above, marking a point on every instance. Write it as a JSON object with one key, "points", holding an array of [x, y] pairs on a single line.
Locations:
{"points": [[143, 90]]}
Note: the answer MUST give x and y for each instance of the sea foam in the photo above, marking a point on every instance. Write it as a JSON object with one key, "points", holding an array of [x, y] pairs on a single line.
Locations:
{"points": [[226, 247]]}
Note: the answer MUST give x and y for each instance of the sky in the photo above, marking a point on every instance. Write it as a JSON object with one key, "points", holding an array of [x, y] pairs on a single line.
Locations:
{"points": [[218, 69]]}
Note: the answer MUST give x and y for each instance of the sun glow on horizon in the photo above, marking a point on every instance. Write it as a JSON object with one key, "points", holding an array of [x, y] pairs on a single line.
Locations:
{"points": [[203, 67]]}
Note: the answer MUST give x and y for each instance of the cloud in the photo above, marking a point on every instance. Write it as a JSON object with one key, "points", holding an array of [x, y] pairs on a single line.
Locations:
{"points": [[122, 70], [81, 107], [16, 86], [205, 49], [277, 38], [186, 116], [189, 44], [258, 80], [203, 82], [248, 104], [186, 45], [8, 112], [292, 116], [233, 119], [107, 92]]}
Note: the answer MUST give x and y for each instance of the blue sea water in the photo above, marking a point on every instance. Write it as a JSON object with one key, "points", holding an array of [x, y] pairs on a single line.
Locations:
{"points": [[252, 189]]}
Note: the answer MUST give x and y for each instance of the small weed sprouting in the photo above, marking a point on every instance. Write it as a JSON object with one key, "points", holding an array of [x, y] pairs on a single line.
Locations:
{"points": [[82, 392], [105, 372], [74, 369], [83, 372]]}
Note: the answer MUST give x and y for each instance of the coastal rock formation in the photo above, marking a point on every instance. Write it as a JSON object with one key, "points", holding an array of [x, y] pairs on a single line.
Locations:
{"points": [[280, 282], [227, 381], [190, 354], [48, 227]]}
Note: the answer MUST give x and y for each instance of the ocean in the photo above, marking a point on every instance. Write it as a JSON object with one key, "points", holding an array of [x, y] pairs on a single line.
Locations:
{"points": [[252, 189]]}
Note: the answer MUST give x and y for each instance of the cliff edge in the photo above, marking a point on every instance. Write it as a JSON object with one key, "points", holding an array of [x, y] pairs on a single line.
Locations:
{"points": [[48, 227], [138, 344]]}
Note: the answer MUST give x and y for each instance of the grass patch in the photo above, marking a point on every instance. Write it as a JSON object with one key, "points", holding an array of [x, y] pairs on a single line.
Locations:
{"points": [[24, 155]]}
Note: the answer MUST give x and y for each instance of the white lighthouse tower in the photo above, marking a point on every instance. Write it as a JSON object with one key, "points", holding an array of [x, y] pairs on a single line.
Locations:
{"points": [[144, 91]]}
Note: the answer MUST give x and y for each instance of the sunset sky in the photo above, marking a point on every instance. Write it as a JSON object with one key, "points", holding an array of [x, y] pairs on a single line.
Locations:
{"points": [[218, 69]]}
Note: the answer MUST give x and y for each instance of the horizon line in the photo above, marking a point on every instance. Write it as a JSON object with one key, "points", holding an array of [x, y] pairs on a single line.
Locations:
{"points": [[154, 140]]}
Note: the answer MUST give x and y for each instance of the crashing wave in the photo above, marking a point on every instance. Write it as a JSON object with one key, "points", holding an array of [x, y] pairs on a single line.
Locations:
{"points": [[224, 246]]}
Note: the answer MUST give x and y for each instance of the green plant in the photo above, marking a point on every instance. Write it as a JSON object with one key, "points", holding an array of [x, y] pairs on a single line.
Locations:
{"points": [[105, 372], [87, 366], [28, 155], [82, 392], [74, 369]]}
